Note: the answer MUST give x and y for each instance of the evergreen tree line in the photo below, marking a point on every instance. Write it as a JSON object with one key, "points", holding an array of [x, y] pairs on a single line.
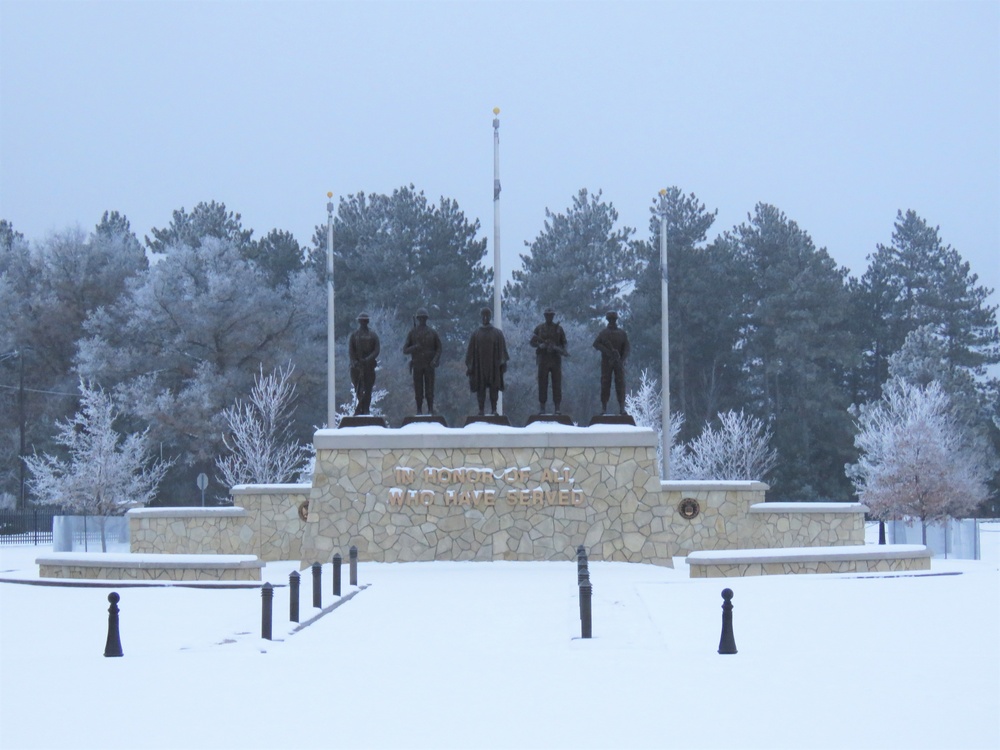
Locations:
{"points": [[178, 325]]}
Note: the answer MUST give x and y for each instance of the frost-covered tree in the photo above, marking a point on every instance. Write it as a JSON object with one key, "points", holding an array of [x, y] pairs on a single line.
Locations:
{"points": [[195, 330], [260, 439], [581, 263], [350, 406], [47, 290], [914, 460], [104, 472], [738, 449], [645, 405], [205, 220]]}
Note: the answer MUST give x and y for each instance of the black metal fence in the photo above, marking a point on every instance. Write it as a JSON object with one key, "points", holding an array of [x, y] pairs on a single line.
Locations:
{"points": [[26, 527]]}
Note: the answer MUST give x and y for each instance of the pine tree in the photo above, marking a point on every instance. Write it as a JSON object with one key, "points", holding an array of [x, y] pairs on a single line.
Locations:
{"points": [[704, 314], [401, 252], [580, 263], [205, 220], [798, 349], [918, 280]]}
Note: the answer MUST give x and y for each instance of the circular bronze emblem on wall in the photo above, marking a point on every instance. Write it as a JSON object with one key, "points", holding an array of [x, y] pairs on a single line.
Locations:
{"points": [[304, 510], [689, 508]]}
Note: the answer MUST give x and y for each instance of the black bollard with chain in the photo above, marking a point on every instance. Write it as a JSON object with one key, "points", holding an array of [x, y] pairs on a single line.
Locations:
{"points": [[293, 596], [317, 585], [727, 643], [586, 593], [266, 600], [113, 646], [337, 560], [354, 566]]}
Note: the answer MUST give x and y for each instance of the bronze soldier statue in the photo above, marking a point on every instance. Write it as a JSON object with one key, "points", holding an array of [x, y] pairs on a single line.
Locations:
{"points": [[423, 345], [486, 361], [612, 343], [363, 349], [549, 341]]}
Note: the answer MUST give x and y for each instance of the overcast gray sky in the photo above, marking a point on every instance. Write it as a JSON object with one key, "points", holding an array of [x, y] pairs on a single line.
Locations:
{"points": [[838, 113]]}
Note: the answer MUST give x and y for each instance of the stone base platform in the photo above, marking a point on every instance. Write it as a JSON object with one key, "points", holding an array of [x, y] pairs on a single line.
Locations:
{"points": [[129, 567], [736, 563]]}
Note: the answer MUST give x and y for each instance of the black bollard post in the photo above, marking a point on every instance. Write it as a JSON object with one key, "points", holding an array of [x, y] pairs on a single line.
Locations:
{"points": [[266, 600], [113, 647], [317, 585], [586, 592], [293, 596], [727, 643], [337, 559], [354, 566]]}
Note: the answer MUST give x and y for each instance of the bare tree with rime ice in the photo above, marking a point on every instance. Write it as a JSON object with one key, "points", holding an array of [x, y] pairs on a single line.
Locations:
{"points": [[645, 404], [260, 439], [739, 449], [105, 472], [915, 462]]}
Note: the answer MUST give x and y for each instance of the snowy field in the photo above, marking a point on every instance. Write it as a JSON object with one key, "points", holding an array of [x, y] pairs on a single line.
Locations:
{"points": [[470, 655]]}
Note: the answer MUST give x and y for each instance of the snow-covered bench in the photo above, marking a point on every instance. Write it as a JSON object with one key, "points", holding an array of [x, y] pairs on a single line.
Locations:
{"points": [[734, 563], [125, 566]]}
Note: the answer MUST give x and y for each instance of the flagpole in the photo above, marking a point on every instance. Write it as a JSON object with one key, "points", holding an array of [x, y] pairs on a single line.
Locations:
{"points": [[497, 312], [331, 377], [665, 339]]}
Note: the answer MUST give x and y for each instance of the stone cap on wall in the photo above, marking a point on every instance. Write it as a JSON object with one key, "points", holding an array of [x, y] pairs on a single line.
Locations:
{"points": [[706, 485], [186, 512], [150, 560], [481, 435], [264, 489], [808, 508], [808, 554]]}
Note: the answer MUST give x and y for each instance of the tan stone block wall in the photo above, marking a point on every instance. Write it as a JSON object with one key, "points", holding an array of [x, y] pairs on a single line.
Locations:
{"points": [[273, 516], [128, 573], [617, 516], [195, 534], [739, 570], [723, 520], [802, 529]]}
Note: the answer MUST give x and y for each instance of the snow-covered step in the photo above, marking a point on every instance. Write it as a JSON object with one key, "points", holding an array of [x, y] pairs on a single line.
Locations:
{"points": [[735, 563]]}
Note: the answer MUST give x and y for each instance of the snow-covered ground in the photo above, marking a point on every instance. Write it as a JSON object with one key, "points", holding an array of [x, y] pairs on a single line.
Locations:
{"points": [[467, 655]]}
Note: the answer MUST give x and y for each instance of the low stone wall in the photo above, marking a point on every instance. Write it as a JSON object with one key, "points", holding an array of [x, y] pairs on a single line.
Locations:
{"points": [[131, 567], [805, 525], [842, 559], [426, 492], [721, 519], [276, 514], [191, 531]]}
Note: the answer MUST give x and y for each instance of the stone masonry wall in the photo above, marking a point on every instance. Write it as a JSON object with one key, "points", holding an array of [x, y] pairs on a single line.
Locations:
{"points": [[778, 525], [738, 570], [488, 495], [193, 531], [275, 514]]}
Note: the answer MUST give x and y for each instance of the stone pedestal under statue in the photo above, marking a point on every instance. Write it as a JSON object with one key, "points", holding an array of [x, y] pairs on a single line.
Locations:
{"points": [[487, 492]]}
